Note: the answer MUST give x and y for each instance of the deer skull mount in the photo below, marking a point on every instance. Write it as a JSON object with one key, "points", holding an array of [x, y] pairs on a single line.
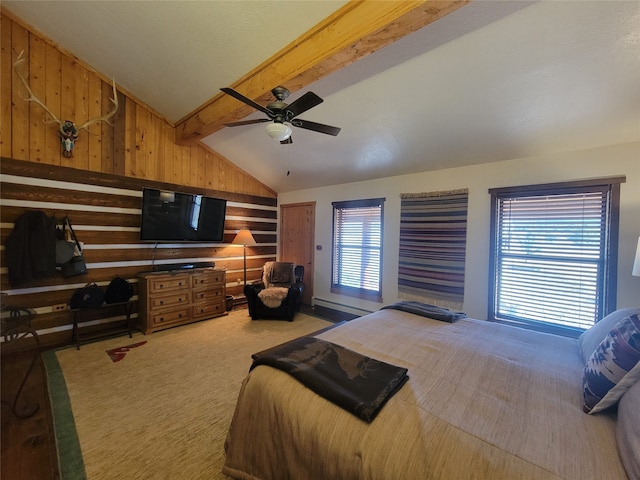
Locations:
{"points": [[68, 131]]}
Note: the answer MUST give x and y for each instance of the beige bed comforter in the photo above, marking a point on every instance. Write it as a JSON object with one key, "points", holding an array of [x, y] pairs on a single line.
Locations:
{"points": [[483, 400]]}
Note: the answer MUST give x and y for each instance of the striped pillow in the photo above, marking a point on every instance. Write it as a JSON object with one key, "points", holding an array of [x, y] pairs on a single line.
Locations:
{"points": [[614, 366]]}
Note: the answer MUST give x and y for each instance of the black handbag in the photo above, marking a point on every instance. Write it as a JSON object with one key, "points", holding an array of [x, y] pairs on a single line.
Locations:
{"points": [[76, 265], [89, 296]]}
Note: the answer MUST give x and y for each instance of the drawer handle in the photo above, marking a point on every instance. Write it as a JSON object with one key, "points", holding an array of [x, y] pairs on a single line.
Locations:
{"points": [[161, 302], [162, 319], [161, 285], [180, 316]]}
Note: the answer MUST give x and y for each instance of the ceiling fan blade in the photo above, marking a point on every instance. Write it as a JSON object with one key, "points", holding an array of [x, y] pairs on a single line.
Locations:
{"points": [[316, 127], [247, 122], [248, 101], [287, 141], [302, 104]]}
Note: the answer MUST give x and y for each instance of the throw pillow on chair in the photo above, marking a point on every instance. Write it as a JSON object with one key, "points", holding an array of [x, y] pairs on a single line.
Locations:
{"points": [[272, 297], [279, 294]]}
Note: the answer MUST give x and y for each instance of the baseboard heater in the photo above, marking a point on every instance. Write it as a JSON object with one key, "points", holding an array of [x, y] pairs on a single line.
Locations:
{"points": [[341, 307]]}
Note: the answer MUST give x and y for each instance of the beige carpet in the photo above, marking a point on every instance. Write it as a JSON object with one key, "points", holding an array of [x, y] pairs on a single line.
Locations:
{"points": [[163, 410]]}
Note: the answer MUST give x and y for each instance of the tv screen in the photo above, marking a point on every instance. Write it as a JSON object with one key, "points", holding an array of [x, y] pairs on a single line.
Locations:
{"points": [[181, 217]]}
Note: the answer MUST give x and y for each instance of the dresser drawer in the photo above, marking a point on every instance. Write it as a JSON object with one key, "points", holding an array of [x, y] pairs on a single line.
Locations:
{"points": [[208, 295], [169, 282], [208, 310], [208, 279], [170, 316], [170, 299]]}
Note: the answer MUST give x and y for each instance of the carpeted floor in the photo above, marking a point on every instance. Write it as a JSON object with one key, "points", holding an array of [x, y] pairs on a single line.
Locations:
{"points": [[157, 406]]}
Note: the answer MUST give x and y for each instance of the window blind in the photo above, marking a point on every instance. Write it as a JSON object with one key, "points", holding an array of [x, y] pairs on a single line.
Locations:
{"points": [[552, 255], [357, 247]]}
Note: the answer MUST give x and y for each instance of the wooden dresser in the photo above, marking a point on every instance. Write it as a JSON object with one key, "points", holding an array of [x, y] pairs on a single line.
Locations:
{"points": [[171, 298]]}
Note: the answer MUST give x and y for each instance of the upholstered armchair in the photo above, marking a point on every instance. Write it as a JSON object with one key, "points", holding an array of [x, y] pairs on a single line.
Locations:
{"points": [[279, 294]]}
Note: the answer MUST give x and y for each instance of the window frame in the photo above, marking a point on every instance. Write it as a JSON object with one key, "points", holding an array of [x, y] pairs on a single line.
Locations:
{"points": [[358, 292], [607, 278]]}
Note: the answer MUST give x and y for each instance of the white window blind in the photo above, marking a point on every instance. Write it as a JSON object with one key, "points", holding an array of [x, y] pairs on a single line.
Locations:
{"points": [[357, 247], [551, 255]]}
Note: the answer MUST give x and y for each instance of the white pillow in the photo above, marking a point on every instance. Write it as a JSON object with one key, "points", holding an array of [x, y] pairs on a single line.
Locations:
{"points": [[589, 340]]}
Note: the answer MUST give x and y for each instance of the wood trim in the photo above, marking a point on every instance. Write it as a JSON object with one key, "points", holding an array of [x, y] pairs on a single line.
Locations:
{"points": [[353, 32], [68, 174]]}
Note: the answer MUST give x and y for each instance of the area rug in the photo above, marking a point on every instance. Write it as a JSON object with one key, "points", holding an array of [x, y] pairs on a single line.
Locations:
{"points": [[157, 406]]}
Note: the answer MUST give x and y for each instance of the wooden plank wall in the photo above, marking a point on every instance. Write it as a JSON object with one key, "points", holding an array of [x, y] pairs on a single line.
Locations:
{"points": [[100, 187], [140, 143], [105, 212]]}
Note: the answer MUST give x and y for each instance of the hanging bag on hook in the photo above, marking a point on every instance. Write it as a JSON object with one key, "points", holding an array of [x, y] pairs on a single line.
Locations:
{"points": [[64, 248], [76, 265]]}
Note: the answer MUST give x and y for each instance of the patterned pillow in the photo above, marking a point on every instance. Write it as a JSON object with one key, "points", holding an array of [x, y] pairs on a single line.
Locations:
{"points": [[614, 366], [589, 340]]}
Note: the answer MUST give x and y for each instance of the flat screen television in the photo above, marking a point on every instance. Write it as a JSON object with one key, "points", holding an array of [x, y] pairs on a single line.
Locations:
{"points": [[181, 217]]}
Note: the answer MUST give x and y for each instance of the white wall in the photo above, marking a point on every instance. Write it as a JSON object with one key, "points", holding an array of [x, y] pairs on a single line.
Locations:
{"points": [[599, 162]]}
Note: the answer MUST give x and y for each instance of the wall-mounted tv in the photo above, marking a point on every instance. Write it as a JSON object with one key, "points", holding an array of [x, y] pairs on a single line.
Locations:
{"points": [[181, 217]]}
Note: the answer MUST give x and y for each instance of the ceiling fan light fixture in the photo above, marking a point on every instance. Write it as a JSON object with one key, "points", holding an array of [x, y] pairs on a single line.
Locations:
{"points": [[278, 131]]}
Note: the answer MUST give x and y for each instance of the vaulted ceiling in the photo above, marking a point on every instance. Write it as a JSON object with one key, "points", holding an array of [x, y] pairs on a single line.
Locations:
{"points": [[476, 82]]}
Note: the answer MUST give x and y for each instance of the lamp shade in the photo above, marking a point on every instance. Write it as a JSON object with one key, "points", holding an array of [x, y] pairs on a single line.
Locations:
{"points": [[279, 131], [245, 238], [636, 263]]}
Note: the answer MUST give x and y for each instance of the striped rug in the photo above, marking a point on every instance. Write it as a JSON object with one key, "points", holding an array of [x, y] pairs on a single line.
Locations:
{"points": [[433, 238]]}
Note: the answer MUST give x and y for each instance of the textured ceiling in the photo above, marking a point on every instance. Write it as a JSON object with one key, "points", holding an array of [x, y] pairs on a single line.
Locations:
{"points": [[491, 81]]}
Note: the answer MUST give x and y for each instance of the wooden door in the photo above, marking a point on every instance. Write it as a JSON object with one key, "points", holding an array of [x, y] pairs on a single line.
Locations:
{"points": [[297, 233]]}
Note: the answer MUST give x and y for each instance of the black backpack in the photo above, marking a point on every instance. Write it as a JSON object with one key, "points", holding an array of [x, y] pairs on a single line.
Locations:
{"points": [[119, 290]]}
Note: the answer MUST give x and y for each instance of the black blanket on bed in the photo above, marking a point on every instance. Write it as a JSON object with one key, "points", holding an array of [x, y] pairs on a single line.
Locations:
{"points": [[426, 310], [359, 384]]}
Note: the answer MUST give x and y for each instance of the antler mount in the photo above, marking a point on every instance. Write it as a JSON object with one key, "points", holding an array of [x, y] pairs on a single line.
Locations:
{"points": [[67, 131]]}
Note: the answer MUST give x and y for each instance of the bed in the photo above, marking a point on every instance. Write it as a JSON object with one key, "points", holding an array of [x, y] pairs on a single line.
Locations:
{"points": [[483, 400]]}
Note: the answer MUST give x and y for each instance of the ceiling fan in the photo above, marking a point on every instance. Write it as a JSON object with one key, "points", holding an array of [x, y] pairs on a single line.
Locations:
{"points": [[280, 114]]}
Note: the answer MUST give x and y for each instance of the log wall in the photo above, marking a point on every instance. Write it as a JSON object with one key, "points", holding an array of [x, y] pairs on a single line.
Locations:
{"points": [[105, 212], [100, 187]]}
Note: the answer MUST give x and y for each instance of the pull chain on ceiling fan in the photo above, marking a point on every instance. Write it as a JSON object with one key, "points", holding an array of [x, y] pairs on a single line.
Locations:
{"points": [[279, 114]]}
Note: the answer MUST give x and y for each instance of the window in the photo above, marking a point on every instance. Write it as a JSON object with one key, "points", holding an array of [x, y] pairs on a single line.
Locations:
{"points": [[357, 248], [554, 254]]}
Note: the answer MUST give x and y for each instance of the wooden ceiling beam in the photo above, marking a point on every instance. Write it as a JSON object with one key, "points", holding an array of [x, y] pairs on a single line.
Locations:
{"points": [[356, 30]]}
